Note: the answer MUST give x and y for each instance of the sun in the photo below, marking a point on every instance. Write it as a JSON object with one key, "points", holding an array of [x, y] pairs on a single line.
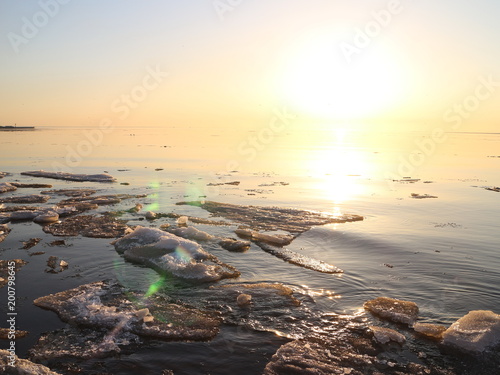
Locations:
{"points": [[321, 82]]}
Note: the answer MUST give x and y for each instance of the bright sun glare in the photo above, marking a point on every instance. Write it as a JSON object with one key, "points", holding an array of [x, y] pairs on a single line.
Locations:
{"points": [[320, 81], [337, 168]]}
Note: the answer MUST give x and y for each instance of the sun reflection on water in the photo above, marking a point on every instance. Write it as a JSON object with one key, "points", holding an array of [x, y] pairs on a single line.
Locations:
{"points": [[338, 168]]}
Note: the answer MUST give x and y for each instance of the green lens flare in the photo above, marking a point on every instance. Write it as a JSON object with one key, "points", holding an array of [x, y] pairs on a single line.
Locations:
{"points": [[154, 288]]}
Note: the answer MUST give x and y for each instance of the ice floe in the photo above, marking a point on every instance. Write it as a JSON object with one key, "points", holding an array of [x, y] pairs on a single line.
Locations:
{"points": [[475, 332], [87, 226], [46, 217], [272, 239], [271, 218], [82, 343], [191, 233], [4, 333], [353, 354], [421, 196], [298, 259], [384, 335], [434, 331], [70, 192], [5, 187], [30, 243], [168, 253], [22, 366], [395, 310], [105, 305], [4, 232], [4, 269], [231, 244], [103, 177], [28, 199], [31, 186]]}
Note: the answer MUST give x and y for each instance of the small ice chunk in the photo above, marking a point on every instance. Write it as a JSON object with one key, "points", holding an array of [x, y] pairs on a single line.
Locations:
{"points": [[144, 315], [273, 239], [475, 331], [434, 331], [243, 299], [384, 335], [231, 244], [398, 311], [47, 217], [191, 233], [182, 221]]}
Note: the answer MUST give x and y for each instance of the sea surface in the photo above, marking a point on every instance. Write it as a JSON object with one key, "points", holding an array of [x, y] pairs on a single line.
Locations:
{"points": [[442, 252]]}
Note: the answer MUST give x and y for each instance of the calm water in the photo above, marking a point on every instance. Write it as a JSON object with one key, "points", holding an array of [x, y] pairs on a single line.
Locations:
{"points": [[440, 253]]}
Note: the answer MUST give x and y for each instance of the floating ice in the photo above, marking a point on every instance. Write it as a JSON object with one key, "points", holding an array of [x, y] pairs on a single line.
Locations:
{"points": [[84, 343], [272, 218], [434, 331], [273, 239], [422, 196], [34, 198], [22, 367], [4, 231], [244, 299], [24, 215], [87, 226], [4, 269], [166, 252], [5, 187], [46, 217], [70, 192], [30, 243], [231, 244], [476, 331], [385, 335], [31, 186], [104, 305], [103, 177], [398, 311], [190, 233], [299, 259]]}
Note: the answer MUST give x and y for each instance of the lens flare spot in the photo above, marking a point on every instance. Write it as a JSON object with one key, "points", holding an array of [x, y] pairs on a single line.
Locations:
{"points": [[154, 288], [182, 254]]}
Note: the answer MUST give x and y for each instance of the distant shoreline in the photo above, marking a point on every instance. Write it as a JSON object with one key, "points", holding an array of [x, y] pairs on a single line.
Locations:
{"points": [[16, 128]]}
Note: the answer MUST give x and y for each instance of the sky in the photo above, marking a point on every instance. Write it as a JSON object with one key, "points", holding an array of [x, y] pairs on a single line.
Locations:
{"points": [[232, 63]]}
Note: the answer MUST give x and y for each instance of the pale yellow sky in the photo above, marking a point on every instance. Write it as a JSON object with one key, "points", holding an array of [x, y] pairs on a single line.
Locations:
{"points": [[162, 64]]}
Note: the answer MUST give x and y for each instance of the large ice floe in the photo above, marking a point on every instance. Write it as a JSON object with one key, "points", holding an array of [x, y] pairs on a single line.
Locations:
{"points": [[103, 177], [350, 351], [271, 218], [171, 254], [475, 332], [253, 219], [108, 306]]}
